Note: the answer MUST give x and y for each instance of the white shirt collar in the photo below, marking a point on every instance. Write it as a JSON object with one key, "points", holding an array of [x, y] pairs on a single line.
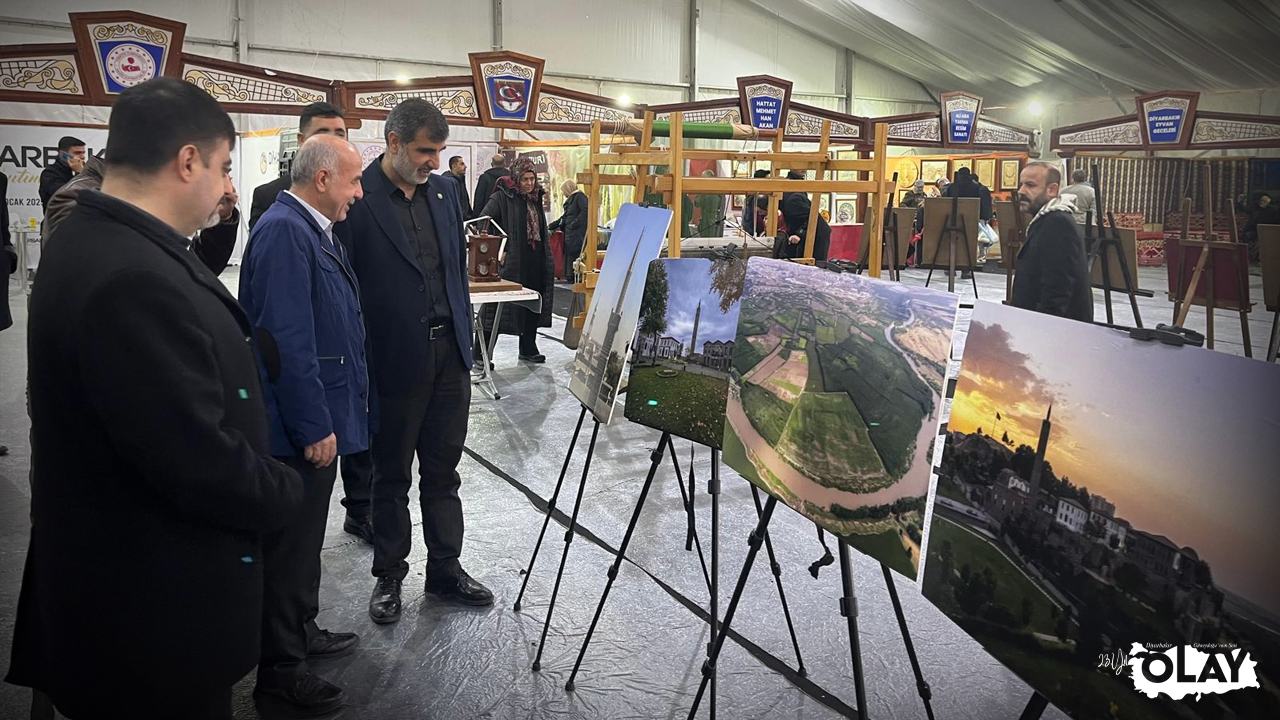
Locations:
{"points": [[326, 225]]}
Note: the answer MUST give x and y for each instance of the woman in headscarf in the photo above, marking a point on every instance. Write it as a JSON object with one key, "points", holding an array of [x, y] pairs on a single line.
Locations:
{"points": [[516, 206]]}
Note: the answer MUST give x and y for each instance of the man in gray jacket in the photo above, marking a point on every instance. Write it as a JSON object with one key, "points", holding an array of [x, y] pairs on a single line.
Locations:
{"points": [[1085, 198]]}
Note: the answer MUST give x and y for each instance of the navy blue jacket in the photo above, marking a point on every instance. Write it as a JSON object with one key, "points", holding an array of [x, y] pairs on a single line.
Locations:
{"points": [[303, 299], [396, 303]]}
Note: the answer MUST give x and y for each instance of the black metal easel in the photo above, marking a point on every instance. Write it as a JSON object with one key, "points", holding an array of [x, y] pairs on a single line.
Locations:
{"points": [[713, 489], [848, 608], [888, 240], [1106, 243], [953, 229], [573, 521]]}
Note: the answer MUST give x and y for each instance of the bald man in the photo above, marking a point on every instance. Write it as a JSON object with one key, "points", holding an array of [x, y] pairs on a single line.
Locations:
{"points": [[573, 221], [300, 294], [486, 183]]}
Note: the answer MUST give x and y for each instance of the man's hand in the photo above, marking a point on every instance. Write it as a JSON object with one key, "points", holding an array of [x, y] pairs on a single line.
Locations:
{"points": [[227, 205], [322, 454], [793, 239], [77, 164]]}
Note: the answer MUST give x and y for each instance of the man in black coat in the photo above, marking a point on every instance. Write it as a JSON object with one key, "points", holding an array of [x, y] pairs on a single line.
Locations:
{"points": [[488, 182], [153, 477], [573, 221], [458, 171], [1053, 274], [8, 256], [318, 118], [405, 242], [71, 152]]}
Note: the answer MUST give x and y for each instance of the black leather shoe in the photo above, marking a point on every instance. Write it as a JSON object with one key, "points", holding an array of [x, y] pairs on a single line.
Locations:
{"points": [[331, 645], [537, 358], [360, 527], [461, 589], [384, 604], [309, 696]]}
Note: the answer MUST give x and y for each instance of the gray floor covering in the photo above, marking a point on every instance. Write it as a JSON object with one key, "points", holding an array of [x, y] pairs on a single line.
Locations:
{"points": [[441, 662]]}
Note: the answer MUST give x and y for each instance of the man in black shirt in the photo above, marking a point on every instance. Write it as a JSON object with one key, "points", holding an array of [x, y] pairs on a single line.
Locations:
{"points": [[407, 248], [488, 181]]}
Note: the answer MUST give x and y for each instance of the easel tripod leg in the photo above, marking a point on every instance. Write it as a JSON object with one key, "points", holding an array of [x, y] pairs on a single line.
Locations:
{"points": [[713, 489], [568, 541], [1129, 288], [922, 686], [1035, 707], [551, 508], [655, 459], [849, 609], [1106, 283], [1273, 347], [776, 568], [691, 540], [753, 548]]}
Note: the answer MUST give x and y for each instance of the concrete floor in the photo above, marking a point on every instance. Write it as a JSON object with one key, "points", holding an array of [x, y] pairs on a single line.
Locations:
{"points": [[441, 662]]}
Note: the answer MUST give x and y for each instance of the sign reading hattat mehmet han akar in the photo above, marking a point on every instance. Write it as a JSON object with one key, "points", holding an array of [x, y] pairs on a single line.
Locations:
{"points": [[765, 100]]}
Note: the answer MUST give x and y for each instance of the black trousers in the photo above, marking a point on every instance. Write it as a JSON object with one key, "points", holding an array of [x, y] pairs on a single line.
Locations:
{"points": [[192, 705], [291, 579], [357, 483], [528, 332], [429, 420]]}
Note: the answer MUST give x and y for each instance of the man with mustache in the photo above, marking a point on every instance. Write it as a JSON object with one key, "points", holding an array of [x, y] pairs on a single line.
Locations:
{"points": [[301, 294], [406, 245], [1053, 274]]}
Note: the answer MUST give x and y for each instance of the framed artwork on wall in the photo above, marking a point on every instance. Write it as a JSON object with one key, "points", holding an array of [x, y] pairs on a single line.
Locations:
{"points": [[985, 169], [959, 163], [1009, 170], [931, 170]]}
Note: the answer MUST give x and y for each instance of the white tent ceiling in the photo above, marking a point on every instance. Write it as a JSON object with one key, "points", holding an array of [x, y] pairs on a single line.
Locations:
{"points": [[1056, 50]]}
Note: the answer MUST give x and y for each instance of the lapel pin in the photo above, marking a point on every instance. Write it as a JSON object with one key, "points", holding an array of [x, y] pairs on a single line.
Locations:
{"points": [[439, 196]]}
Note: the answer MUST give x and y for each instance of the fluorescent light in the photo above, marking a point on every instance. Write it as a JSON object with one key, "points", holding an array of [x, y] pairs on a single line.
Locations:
{"points": [[1035, 108], [272, 73], [624, 100], [402, 79]]}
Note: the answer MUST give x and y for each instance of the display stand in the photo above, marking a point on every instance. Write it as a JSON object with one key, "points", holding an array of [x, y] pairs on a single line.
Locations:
{"points": [[848, 608], [1013, 236], [1211, 250], [573, 520], [1269, 252], [953, 230], [1106, 243], [888, 241], [713, 585]]}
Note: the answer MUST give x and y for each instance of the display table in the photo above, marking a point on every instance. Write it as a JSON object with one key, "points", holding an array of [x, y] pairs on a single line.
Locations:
{"points": [[523, 297], [846, 242]]}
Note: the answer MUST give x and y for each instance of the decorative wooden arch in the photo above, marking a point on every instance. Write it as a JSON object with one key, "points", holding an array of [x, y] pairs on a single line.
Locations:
{"points": [[1169, 120]]}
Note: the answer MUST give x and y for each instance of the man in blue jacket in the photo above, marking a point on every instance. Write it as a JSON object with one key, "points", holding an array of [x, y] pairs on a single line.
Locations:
{"points": [[407, 248], [301, 295]]}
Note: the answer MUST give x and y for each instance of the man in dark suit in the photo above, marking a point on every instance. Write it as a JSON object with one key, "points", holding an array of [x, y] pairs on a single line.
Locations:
{"points": [[321, 118], [318, 118], [406, 244], [1053, 274], [8, 257], [488, 182], [458, 171], [301, 295], [153, 479]]}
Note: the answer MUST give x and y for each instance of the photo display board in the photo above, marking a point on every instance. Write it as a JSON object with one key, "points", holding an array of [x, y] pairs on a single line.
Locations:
{"points": [[1104, 518], [835, 397], [611, 322], [683, 351]]}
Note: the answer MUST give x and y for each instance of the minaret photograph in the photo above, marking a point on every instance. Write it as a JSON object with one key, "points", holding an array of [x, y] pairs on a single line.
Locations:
{"points": [[1038, 467], [697, 318]]}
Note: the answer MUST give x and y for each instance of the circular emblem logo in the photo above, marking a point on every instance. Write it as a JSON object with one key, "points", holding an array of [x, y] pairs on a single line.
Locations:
{"points": [[371, 153], [262, 163], [128, 65]]}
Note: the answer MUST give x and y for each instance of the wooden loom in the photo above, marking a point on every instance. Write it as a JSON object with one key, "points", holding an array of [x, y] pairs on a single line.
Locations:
{"points": [[640, 153]]}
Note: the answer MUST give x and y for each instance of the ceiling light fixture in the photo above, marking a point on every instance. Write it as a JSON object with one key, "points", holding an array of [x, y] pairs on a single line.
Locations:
{"points": [[1035, 108], [402, 79], [624, 100]]}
